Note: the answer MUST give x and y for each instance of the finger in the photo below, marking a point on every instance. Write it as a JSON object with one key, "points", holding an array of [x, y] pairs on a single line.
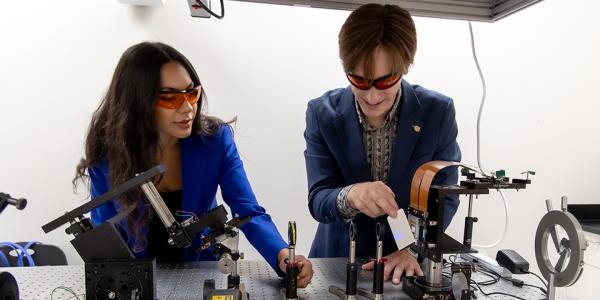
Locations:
{"points": [[304, 270], [400, 268], [397, 275], [368, 266], [419, 271], [306, 276], [391, 199], [410, 270], [385, 189], [302, 282], [389, 191], [385, 205], [387, 271], [301, 261], [369, 208], [303, 279], [373, 210]]}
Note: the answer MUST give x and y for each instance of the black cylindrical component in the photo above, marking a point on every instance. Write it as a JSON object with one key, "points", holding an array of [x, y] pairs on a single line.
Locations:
{"points": [[468, 231], [351, 278], [7, 199], [291, 281], [8, 286], [18, 203], [378, 278], [233, 281]]}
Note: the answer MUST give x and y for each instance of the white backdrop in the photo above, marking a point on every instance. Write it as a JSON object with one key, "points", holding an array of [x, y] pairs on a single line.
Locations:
{"points": [[263, 63]]}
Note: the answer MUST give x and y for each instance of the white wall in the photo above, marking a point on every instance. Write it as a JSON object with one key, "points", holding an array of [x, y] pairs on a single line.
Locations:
{"points": [[262, 63]]}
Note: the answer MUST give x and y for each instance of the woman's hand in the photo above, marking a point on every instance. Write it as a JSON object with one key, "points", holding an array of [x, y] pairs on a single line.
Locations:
{"points": [[305, 270]]}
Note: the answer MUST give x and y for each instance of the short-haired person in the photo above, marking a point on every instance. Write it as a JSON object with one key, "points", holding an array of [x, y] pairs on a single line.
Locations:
{"points": [[152, 114], [365, 142]]}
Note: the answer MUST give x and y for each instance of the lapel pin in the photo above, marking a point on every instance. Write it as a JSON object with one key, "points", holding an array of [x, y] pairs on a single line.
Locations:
{"points": [[417, 128]]}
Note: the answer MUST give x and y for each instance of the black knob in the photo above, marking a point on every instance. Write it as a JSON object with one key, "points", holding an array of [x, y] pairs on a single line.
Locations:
{"points": [[18, 203]]}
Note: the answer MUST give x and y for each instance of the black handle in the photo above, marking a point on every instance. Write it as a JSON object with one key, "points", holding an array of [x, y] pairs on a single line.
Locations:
{"points": [[291, 281], [378, 278], [351, 278]]}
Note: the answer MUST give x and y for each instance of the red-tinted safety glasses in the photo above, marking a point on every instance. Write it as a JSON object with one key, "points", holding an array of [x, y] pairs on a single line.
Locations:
{"points": [[381, 83]]}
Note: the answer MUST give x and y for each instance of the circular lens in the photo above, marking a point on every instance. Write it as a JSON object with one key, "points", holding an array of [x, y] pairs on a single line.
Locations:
{"points": [[358, 82], [387, 82], [170, 100], [194, 96]]}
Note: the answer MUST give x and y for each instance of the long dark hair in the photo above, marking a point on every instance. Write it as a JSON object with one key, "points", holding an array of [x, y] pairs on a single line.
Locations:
{"points": [[122, 130]]}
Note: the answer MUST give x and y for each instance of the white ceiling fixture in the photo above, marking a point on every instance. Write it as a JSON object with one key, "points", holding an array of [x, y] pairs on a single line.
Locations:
{"points": [[472, 10]]}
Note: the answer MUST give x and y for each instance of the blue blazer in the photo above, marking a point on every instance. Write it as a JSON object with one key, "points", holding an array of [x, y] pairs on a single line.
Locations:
{"points": [[207, 162], [335, 157]]}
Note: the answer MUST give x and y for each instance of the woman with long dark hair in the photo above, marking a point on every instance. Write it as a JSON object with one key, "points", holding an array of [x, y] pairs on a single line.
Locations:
{"points": [[152, 114]]}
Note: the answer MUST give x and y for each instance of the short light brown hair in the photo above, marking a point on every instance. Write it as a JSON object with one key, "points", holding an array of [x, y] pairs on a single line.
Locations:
{"points": [[372, 25]]}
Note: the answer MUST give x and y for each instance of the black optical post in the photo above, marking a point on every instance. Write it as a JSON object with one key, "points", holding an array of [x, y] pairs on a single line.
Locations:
{"points": [[351, 269], [291, 281], [378, 268]]}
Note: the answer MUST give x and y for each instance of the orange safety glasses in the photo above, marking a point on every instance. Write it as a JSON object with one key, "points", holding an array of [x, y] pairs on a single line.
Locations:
{"points": [[381, 83], [173, 99]]}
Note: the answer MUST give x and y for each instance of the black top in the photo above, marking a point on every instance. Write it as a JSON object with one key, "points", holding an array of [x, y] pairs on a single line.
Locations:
{"points": [[158, 245]]}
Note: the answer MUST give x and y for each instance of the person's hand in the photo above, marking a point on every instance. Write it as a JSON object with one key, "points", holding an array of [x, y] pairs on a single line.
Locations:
{"points": [[374, 199], [305, 270], [397, 263]]}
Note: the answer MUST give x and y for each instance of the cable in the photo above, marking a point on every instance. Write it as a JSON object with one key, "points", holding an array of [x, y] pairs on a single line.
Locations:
{"points": [[503, 236], [496, 293], [482, 98], [481, 105], [4, 260], [184, 216], [515, 281], [494, 280], [199, 3], [21, 252], [535, 286], [188, 213], [66, 289], [539, 277], [593, 266], [452, 258]]}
